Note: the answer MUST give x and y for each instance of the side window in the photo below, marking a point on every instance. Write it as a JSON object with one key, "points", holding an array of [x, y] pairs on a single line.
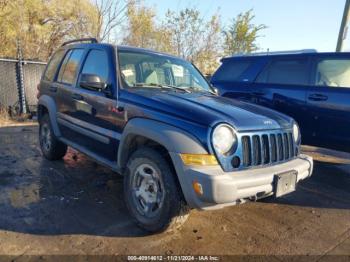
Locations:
{"points": [[97, 64], [129, 73], [333, 72], [232, 70], [154, 73], [69, 68], [51, 68], [183, 77], [286, 71]]}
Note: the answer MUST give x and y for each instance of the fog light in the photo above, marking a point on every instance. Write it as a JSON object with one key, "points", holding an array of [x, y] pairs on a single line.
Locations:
{"points": [[197, 188], [199, 160], [236, 162]]}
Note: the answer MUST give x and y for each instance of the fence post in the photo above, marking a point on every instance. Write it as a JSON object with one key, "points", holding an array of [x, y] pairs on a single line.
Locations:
{"points": [[20, 78]]}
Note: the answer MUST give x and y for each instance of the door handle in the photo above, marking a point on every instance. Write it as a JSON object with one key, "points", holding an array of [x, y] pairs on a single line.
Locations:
{"points": [[53, 89], [317, 97], [76, 96]]}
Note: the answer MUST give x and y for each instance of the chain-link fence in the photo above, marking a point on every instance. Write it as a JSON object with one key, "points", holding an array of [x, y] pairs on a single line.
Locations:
{"points": [[17, 77]]}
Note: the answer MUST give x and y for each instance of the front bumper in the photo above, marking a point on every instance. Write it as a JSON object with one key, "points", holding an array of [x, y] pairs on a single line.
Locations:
{"points": [[221, 188]]}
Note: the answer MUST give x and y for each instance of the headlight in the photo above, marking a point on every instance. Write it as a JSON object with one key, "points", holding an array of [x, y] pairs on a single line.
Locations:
{"points": [[296, 133], [224, 139]]}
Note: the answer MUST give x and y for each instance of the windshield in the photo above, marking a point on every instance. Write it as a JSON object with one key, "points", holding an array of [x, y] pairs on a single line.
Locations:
{"points": [[147, 70]]}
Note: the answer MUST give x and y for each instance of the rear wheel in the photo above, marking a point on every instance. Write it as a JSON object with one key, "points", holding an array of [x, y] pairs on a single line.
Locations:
{"points": [[152, 194], [51, 147]]}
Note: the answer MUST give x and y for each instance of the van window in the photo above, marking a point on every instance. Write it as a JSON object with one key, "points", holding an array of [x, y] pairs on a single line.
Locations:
{"points": [[68, 70], [232, 70], [333, 72], [96, 63], [285, 71], [52, 66]]}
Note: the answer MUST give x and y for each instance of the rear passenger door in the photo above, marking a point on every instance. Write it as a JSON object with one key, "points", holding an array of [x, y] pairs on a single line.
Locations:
{"points": [[282, 86], [329, 101], [48, 83], [65, 83]]}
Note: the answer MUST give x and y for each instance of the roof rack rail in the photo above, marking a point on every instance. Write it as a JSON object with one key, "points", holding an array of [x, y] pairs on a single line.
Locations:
{"points": [[90, 39], [302, 51]]}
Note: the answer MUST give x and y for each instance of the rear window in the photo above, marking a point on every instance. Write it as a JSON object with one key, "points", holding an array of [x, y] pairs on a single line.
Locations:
{"points": [[97, 64], [232, 70], [68, 70], [51, 68], [286, 71], [333, 73]]}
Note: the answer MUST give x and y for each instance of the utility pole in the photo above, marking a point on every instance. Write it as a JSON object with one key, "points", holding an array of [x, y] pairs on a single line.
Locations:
{"points": [[343, 27], [20, 80]]}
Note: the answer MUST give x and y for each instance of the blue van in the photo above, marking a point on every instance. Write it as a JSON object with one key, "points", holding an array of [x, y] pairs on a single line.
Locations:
{"points": [[311, 87]]}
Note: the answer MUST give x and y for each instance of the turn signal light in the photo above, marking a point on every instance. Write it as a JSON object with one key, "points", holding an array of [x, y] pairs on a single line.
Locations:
{"points": [[197, 187], [199, 160]]}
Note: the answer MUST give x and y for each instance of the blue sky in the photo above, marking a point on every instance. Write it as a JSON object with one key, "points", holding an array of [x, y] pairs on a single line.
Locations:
{"points": [[292, 24]]}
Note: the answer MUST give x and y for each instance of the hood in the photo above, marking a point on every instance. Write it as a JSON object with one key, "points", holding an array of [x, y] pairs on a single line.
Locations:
{"points": [[209, 110]]}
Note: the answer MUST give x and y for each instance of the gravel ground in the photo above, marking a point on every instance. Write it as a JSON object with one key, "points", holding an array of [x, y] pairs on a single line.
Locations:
{"points": [[75, 206]]}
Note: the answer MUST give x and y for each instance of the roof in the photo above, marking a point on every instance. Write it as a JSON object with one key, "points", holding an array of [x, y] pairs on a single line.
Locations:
{"points": [[285, 54], [145, 50], [121, 47]]}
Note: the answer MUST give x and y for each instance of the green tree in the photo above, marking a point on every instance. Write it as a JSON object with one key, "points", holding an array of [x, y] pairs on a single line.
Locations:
{"points": [[241, 35]]}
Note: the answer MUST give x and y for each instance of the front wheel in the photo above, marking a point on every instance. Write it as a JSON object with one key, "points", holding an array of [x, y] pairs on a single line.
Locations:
{"points": [[152, 194], [51, 147]]}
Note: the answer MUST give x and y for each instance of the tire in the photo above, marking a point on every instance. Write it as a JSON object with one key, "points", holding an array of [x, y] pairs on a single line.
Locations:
{"points": [[152, 194], [51, 147]]}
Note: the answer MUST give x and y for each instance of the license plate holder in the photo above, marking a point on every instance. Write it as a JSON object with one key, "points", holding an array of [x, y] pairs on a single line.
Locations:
{"points": [[285, 183]]}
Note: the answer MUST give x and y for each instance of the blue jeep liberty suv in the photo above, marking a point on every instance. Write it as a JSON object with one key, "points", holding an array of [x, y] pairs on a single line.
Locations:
{"points": [[154, 118]]}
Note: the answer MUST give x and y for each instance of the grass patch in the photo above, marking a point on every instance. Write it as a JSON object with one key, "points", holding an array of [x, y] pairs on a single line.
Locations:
{"points": [[5, 118]]}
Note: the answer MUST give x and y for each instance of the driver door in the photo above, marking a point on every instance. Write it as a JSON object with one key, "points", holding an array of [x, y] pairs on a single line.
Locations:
{"points": [[98, 122]]}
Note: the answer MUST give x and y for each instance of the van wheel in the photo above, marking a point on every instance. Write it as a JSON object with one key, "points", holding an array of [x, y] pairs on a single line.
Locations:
{"points": [[151, 193], [51, 147]]}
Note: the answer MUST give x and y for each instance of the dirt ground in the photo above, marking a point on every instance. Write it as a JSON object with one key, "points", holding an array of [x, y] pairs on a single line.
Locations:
{"points": [[75, 206]]}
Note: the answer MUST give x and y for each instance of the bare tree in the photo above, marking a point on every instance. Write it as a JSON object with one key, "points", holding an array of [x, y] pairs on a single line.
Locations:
{"points": [[194, 37], [111, 14]]}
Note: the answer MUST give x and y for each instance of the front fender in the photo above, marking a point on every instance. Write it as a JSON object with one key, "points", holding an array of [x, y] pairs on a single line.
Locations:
{"points": [[172, 138], [175, 141], [50, 105]]}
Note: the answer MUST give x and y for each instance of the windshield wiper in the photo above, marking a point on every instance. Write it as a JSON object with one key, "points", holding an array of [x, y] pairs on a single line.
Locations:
{"points": [[162, 86], [195, 89]]}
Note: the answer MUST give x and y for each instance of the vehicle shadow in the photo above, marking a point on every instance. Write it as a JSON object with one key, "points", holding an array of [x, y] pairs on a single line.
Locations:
{"points": [[328, 187], [71, 196]]}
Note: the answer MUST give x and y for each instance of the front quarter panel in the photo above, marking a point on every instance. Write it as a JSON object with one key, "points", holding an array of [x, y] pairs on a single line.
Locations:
{"points": [[172, 138], [49, 103]]}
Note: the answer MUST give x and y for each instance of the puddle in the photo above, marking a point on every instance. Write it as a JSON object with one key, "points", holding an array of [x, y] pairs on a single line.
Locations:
{"points": [[24, 196]]}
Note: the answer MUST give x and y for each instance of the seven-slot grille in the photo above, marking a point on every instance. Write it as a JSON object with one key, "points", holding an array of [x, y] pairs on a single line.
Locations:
{"points": [[267, 148]]}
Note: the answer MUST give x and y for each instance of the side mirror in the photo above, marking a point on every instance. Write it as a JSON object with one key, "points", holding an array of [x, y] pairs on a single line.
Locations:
{"points": [[92, 82]]}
